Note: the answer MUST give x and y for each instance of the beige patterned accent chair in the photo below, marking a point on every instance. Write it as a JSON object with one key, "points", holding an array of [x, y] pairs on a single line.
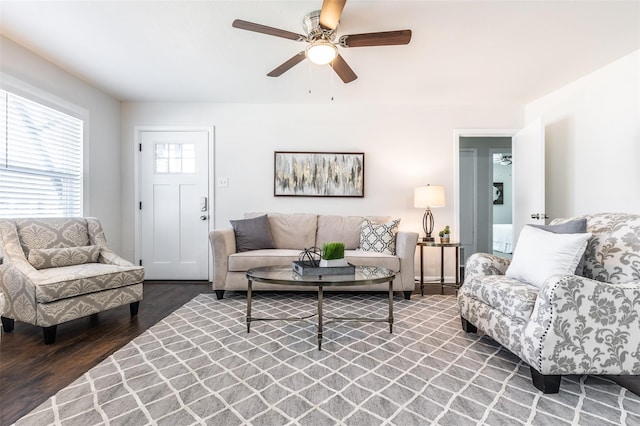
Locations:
{"points": [[55, 270]]}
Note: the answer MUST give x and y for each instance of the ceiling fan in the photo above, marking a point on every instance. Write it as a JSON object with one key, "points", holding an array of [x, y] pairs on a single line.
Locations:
{"points": [[320, 27]]}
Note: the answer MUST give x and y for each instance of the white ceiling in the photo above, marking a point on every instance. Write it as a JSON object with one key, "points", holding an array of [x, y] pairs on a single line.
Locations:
{"points": [[488, 52]]}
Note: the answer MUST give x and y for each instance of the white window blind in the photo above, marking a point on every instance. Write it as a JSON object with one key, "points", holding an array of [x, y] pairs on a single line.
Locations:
{"points": [[40, 160]]}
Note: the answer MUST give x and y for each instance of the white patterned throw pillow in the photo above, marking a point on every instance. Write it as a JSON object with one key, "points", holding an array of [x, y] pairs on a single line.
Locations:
{"points": [[379, 237], [63, 256]]}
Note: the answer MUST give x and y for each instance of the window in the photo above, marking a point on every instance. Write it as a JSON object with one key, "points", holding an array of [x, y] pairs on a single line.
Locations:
{"points": [[40, 160], [175, 158]]}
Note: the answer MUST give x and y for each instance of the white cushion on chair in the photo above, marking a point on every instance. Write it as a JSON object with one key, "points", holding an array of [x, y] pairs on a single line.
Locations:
{"points": [[540, 254]]}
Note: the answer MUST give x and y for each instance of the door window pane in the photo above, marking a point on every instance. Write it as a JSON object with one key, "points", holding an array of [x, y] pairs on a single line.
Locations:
{"points": [[175, 158]]}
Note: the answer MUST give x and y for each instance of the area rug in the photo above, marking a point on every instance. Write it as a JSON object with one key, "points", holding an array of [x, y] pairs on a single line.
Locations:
{"points": [[199, 366]]}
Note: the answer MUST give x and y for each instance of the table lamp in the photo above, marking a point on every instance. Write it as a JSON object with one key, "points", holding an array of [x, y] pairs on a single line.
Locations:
{"points": [[428, 197]]}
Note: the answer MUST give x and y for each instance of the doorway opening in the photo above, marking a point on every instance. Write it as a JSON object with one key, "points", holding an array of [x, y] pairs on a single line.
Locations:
{"points": [[484, 190], [474, 189]]}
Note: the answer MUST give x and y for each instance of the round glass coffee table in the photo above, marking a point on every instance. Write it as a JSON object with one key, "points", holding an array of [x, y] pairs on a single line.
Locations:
{"points": [[364, 275]]}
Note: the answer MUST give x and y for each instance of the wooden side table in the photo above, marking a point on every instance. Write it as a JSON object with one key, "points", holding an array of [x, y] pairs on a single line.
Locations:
{"points": [[456, 246]]}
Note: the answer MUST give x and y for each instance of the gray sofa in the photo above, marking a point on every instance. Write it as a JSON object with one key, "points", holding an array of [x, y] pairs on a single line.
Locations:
{"points": [[294, 232], [571, 324], [55, 270]]}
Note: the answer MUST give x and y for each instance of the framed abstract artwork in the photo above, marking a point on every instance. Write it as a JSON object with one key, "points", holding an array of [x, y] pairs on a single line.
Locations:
{"points": [[318, 174]]}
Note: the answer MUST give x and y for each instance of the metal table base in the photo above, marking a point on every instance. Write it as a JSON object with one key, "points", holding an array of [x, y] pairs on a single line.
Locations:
{"points": [[319, 313]]}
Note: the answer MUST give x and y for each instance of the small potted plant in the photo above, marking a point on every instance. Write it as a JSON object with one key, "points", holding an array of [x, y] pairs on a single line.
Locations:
{"points": [[333, 255], [444, 234]]}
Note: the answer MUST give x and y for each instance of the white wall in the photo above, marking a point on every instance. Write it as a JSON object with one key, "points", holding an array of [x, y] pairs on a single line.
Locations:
{"points": [[405, 146], [592, 131], [102, 170]]}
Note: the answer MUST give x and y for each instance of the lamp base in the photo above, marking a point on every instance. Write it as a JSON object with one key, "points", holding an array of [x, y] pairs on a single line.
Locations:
{"points": [[427, 239]]}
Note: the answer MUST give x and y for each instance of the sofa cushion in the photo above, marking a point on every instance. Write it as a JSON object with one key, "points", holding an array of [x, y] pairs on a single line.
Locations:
{"points": [[65, 256], [372, 258], [511, 297], [292, 230], [379, 237], [345, 229], [71, 281], [540, 254], [252, 234], [240, 262]]}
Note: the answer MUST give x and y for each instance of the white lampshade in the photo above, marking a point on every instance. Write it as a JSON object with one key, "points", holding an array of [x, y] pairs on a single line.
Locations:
{"points": [[428, 196], [321, 52]]}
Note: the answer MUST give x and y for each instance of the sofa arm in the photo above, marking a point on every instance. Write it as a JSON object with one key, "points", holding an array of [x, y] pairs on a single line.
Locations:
{"points": [[485, 264], [406, 251], [223, 244], [583, 326]]}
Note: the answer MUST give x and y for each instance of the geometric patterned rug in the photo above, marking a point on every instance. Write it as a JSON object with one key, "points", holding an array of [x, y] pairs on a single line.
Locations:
{"points": [[199, 366]]}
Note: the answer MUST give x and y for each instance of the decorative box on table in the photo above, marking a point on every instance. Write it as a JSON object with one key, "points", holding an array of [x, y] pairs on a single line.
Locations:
{"points": [[304, 267]]}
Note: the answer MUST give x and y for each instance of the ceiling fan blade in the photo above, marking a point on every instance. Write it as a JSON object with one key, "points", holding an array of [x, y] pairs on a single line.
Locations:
{"points": [[258, 28], [343, 69], [330, 13], [386, 38], [290, 63]]}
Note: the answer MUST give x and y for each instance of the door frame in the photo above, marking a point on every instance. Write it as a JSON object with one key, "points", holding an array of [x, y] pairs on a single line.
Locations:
{"points": [[137, 130], [470, 133]]}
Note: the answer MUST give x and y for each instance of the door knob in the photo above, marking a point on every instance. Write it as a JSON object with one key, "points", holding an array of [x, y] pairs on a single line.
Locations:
{"points": [[203, 217], [539, 216]]}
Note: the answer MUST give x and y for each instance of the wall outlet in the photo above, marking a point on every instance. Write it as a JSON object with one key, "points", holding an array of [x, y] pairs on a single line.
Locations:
{"points": [[223, 182]]}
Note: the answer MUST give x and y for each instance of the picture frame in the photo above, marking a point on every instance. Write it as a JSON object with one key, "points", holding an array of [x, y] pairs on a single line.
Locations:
{"points": [[498, 193], [318, 174]]}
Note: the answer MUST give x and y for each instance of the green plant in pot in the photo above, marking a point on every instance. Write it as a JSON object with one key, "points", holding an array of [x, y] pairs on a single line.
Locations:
{"points": [[333, 254], [444, 235]]}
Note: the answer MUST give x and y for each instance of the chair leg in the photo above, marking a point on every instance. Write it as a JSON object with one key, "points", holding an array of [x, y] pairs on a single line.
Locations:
{"points": [[7, 324], [133, 308], [547, 383], [49, 334], [407, 295], [467, 326], [219, 294]]}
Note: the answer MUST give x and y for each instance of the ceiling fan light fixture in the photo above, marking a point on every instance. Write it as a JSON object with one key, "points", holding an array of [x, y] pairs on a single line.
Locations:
{"points": [[321, 52]]}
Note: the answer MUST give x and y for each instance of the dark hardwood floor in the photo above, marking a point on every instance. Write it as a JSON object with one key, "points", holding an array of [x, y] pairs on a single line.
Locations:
{"points": [[31, 372]]}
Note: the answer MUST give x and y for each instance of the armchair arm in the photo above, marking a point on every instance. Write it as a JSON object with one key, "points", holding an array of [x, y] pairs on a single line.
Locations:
{"points": [[485, 264], [97, 237], [406, 251], [15, 278], [583, 326], [223, 244]]}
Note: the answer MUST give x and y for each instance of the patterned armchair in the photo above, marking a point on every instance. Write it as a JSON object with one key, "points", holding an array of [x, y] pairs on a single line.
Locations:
{"points": [[57, 270], [572, 324]]}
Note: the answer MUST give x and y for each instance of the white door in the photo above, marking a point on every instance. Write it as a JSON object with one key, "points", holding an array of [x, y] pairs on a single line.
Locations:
{"points": [[174, 204], [528, 177]]}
